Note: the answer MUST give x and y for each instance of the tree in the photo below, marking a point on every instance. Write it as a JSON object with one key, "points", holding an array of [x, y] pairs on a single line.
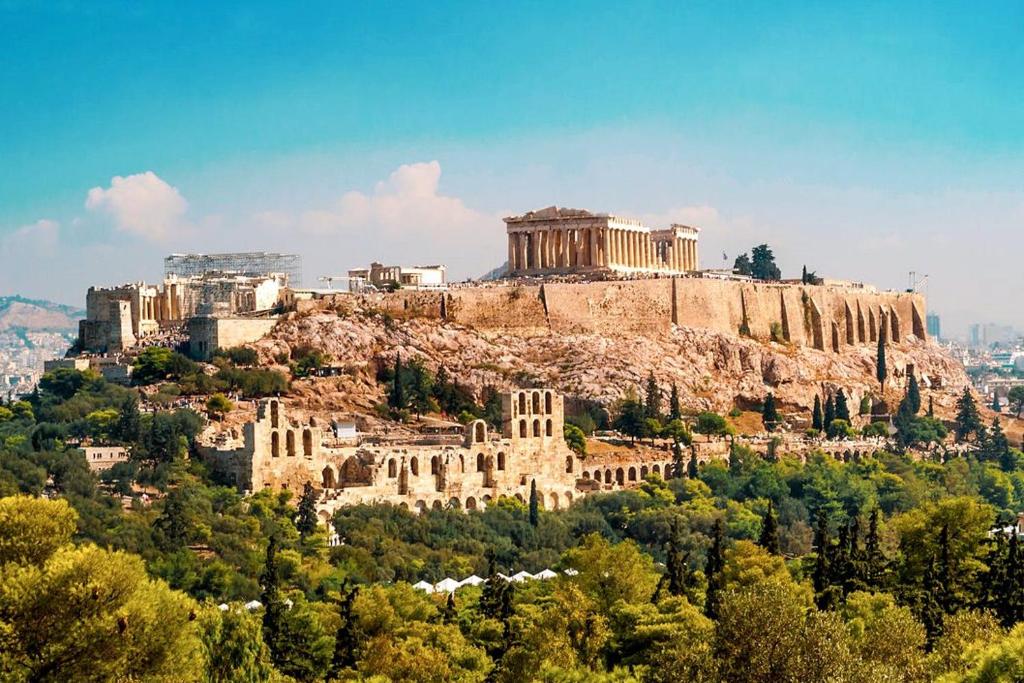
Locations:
{"points": [[842, 409], [713, 567], [822, 549], [873, 567], [534, 504], [880, 370], [692, 468], [996, 407], [711, 424], [233, 646], [306, 521], [769, 539], [865, 405], [652, 399], [396, 397], [218, 406], [674, 411], [128, 429], [913, 393], [346, 644], [630, 420], [769, 413], [762, 264], [817, 417], [968, 420], [575, 439], [273, 606], [931, 407], [830, 410], [742, 265], [651, 429], [1015, 397], [677, 568]]}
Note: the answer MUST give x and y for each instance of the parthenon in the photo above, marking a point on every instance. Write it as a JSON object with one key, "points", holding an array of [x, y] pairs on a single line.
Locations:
{"points": [[562, 241]]}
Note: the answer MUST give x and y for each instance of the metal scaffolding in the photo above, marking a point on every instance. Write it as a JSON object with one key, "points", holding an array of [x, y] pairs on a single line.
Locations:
{"points": [[249, 263]]}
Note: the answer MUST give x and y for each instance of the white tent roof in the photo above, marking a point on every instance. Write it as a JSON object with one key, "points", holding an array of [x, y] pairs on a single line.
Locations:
{"points": [[253, 604], [424, 586], [521, 576], [472, 580], [545, 574], [507, 578], [446, 585], [223, 607]]}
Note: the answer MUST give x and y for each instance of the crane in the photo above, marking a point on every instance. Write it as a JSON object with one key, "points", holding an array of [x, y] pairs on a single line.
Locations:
{"points": [[913, 281], [331, 279]]}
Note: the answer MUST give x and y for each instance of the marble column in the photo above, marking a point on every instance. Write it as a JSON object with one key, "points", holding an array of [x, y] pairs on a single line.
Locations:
{"points": [[511, 252]]}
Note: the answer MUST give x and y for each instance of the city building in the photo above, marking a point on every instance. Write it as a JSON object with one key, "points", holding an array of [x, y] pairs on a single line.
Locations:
{"points": [[559, 241], [102, 458]]}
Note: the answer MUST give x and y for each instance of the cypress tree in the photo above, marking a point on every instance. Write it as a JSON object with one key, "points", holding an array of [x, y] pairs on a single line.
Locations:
{"points": [[692, 467], [769, 539], [968, 420], [713, 570], [822, 546], [449, 614], [996, 408], [842, 409], [345, 641], [931, 407], [946, 595], [674, 411], [678, 468], [874, 560], [273, 607], [397, 397], [830, 411], [769, 413], [929, 609], [880, 370], [652, 396], [676, 562], [998, 447], [817, 417], [913, 393], [534, 505], [306, 521], [1012, 588]]}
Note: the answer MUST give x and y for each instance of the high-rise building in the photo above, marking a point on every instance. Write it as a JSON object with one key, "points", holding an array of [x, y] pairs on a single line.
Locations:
{"points": [[934, 326], [250, 263]]}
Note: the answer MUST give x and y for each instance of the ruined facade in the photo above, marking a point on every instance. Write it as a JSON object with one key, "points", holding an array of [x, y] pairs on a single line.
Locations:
{"points": [[117, 318], [566, 241], [281, 450]]}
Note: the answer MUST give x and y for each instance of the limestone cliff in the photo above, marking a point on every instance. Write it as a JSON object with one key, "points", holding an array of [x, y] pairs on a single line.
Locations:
{"points": [[712, 369]]}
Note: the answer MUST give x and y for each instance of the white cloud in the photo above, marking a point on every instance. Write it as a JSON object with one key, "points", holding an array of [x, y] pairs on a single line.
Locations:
{"points": [[142, 204], [32, 239]]}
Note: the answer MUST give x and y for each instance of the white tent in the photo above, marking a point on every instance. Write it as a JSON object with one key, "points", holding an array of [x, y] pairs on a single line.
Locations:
{"points": [[223, 607], [545, 574], [522, 576], [507, 578], [253, 604], [472, 580], [571, 572], [446, 585], [424, 586]]}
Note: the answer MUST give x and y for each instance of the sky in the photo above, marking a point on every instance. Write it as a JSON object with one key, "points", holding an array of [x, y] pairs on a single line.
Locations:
{"points": [[865, 140]]}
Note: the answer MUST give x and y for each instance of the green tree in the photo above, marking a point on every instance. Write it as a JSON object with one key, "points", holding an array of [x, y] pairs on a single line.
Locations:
{"points": [[996, 406], [742, 265], [630, 419], [865, 405], [769, 413], [762, 264], [769, 539], [713, 568], [830, 410], [817, 416], [968, 419], [652, 399], [218, 406], [842, 409], [396, 395], [674, 410], [712, 424], [880, 369], [1016, 399], [233, 646], [575, 439], [692, 467], [306, 522], [534, 504], [346, 642], [913, 393]]}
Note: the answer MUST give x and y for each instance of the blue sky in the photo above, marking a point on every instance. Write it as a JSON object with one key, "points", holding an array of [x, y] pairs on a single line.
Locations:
{"points": [[865, 141]]}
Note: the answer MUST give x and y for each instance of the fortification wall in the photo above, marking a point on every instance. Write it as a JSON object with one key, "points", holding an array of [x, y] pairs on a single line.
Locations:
{"points": [[827, 318]]}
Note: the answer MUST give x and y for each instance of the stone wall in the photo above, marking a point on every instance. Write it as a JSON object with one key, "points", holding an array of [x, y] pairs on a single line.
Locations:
{"points": [[207, 333]]}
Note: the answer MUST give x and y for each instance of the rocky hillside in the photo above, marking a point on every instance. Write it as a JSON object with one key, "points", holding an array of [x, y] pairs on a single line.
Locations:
{"points": [[712, 370], [19, 313]]}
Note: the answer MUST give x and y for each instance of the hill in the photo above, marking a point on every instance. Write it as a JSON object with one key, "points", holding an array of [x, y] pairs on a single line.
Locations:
{"points": [[36, 315]]}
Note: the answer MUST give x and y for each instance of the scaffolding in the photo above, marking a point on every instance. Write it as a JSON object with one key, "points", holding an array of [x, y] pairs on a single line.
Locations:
{"points": [[248, 263]]}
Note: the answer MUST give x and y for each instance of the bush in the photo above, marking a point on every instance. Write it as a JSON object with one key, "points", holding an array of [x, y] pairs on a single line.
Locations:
{"points": [[239, 355], [575, 438], [876, 429], [840, 429]]}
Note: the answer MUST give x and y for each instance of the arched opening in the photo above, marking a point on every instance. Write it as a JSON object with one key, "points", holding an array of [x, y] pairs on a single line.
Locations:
{"points": [[501, 461], [547, 402], [547, 428], [290, 443], [414, 466], [479, 462], [522, 429], [462, 463], [668, 470], [520, 498], [307, 443], [620, 476], [554, 501], [275, 444], [274, 414], [454, 504], [420, 507], [536, 403], [471, 503], [656, 470], [392, 468], [568, 463], [522, 403], [607, 476], [480, 432], [327, 475], [486, 501], [586, 475], [632, 474], [403, 505], [536, 427], [435, 465], [568, 499], [436, 505], [643, 471]]}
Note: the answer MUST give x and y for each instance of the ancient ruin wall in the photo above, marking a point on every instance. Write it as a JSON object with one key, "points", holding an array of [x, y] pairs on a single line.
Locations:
{"points": [[827, 318]]}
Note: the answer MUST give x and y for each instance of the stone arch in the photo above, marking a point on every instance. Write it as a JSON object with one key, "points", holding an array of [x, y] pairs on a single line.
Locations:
{"points": [[454, 503], [479, 431], [522, 429], [307, 443], [547, 402], [327, 476], [535, 402], [520, 498], [554, 501], [414, 466], [420, 507], [607, 476], [325, 518], [620, 476], [436, 505], [568, 498], [548, 429], [403, 505], [479, 462], [522, 402], [486, 500], [643, 471], [632, 474], [392, 468], [667, 470], [290, 443], [435, 465], [568, 464], [471, 503], [275, 414], [275, 444], [536, 427], [586, 475], [501, 461], [656, 469]]}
